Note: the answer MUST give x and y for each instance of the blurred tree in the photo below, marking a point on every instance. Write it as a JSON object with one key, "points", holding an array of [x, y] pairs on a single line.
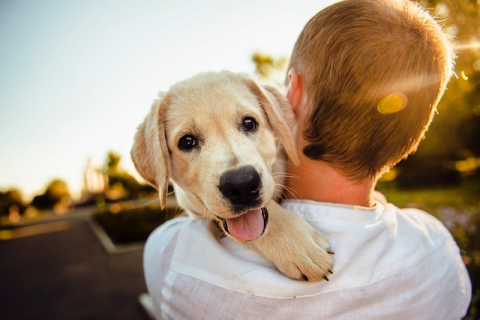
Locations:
{"points": [[9, 199], [55, 192], [270, 68], [120, 182], [454, 133], [112, 162]]}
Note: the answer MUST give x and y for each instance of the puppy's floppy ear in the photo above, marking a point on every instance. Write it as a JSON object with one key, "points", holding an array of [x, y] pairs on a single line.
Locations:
{"points": [[150, 153], [279, 113]]}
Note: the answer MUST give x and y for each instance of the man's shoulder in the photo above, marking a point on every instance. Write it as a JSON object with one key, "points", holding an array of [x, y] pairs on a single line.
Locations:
{"points": [[430, 240], [167, 233], [171, 227], [391, 239], [168, 241], [416, 220]]}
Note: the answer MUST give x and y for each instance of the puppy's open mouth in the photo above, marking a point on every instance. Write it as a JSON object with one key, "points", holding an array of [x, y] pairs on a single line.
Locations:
{"points": [[248, 226]]}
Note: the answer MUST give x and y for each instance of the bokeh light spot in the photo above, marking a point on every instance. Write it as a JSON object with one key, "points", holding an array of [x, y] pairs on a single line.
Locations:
{"points": [[392, 103]]}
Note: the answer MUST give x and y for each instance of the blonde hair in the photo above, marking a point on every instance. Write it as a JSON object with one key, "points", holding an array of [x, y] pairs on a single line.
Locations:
{"points": [[355, 58]]}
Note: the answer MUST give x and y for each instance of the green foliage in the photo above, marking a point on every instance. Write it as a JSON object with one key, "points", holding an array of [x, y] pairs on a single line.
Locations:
{"points": [[271, 68], [453, 135], [133, 225], [427, 170], [112, 162], [11, 198], [121, 181], [56, 191]]}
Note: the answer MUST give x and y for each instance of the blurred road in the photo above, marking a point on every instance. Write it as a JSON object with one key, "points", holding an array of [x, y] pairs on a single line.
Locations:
{"points": [[59, 270]]}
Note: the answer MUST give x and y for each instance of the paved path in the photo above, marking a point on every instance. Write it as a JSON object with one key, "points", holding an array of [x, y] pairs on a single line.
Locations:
{"points": [[63, 273]]}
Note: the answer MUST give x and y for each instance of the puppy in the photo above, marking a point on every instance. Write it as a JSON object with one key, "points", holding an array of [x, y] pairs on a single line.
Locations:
{"points": [[222, 140]]}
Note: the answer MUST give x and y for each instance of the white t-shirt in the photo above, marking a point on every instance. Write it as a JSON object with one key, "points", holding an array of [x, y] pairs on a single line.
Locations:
{"points": [[389, 264]]}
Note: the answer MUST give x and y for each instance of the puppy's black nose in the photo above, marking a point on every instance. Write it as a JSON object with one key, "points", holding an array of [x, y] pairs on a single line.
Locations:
{"points": [[241, 187]]}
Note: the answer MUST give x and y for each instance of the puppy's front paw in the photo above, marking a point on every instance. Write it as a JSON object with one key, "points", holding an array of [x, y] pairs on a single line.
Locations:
{"points": [[296, 248], [310, 257]]}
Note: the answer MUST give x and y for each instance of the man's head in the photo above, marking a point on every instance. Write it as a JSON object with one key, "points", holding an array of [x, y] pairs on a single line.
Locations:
{"points": [[372, 73]]}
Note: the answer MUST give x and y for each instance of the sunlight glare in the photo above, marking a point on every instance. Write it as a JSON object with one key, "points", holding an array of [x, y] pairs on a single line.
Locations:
{"points": [[392, 103], [467, 46]]}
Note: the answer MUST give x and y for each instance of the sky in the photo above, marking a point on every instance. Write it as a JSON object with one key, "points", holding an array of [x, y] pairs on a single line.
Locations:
{"points": [[78, 77]]}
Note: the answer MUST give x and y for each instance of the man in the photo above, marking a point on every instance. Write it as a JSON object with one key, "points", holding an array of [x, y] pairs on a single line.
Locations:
{"points": [[364, 81]]}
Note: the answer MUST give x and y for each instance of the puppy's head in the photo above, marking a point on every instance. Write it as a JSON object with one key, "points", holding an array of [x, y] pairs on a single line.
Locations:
{"points": [[216, 136]]}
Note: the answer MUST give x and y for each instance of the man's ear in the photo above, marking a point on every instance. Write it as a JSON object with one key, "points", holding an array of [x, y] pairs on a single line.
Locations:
{"points": [[279, 114], [150, 153], [294, 89]]}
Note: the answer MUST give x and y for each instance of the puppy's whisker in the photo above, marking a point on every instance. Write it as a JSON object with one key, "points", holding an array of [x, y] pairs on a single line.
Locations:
{"points": [[277, 194], [143, 205], [206, 212], [278, 191], [178, 211], [283, 175], [290, 191]]}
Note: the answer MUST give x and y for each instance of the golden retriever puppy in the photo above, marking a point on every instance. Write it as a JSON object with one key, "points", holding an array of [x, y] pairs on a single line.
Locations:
{"points": [[222, 140]]}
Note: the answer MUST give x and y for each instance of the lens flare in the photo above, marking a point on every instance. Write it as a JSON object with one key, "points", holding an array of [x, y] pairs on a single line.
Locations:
{"points": [[467, 46], [392, 103]]}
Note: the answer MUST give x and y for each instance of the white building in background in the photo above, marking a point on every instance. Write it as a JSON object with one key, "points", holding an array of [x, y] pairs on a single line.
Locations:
{"points": [[94, 180]]}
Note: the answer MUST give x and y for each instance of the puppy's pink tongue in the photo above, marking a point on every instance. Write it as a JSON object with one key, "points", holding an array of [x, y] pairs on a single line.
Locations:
{"points": [[248, 226]]}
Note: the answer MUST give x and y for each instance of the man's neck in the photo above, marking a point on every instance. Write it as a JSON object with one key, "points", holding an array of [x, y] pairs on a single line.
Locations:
{"points": [[318, 181]]}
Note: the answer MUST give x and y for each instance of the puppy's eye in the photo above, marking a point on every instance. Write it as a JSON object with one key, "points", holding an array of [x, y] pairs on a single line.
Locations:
{"points": [[187, 142], [249, 124]]}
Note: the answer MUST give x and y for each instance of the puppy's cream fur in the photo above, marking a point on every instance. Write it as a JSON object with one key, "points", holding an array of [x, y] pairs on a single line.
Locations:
{"points": [[211, 107]]}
